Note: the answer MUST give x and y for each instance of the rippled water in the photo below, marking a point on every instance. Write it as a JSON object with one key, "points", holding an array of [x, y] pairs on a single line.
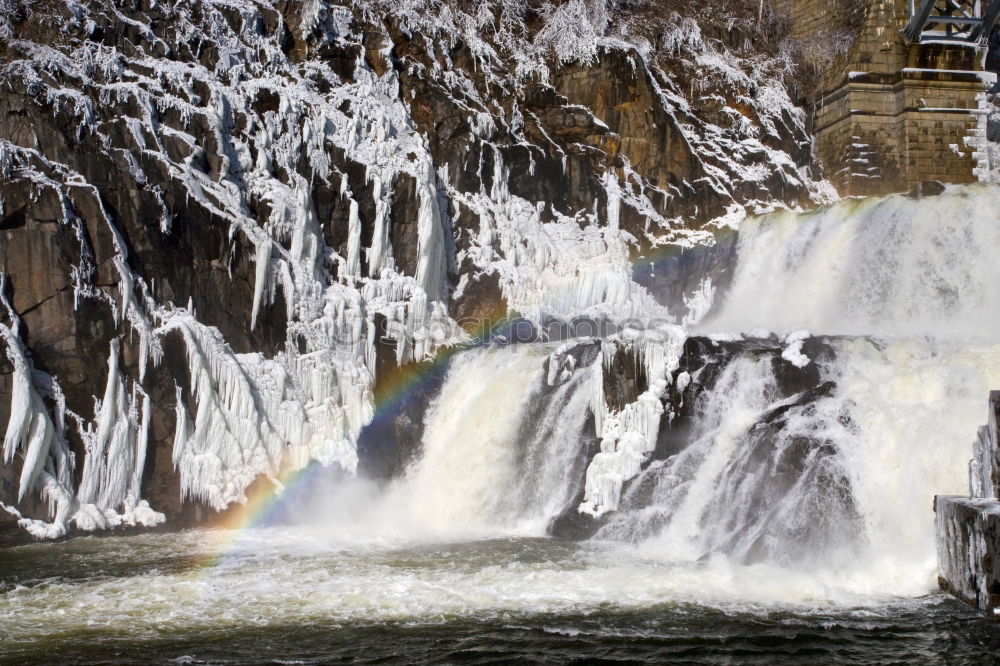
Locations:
{"points": [[304, 596]]}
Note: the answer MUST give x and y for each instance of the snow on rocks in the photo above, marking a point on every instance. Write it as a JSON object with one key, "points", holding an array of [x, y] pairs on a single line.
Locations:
{"points": [[251, 415], [793, 349]]}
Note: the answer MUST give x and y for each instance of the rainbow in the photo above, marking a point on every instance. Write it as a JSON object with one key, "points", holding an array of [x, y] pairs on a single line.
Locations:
{"points": [[267, 501]]}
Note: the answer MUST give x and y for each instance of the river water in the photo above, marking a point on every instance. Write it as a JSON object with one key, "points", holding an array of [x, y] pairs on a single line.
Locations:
{"points": [[307, 596]]}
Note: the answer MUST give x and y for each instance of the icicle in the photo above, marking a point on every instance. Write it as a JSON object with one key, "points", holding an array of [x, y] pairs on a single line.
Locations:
{"points": [[141, 443], [430, 237], [181, 420], [39, 441], [380, 254], [353, 240], [614, 194], [30, 430], [93, 463], [261, 264]]}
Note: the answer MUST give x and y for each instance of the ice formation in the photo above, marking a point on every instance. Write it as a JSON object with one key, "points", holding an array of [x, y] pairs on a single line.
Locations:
{"points": [[252, 415], [115, 457], [793, 350], [629, 435], [966, 525], [565, 268], [47, 463], [109, 492], [242, 415]]}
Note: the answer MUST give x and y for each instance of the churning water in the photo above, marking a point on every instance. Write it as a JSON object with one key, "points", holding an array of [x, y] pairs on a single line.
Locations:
{"points": [[299, 596]]}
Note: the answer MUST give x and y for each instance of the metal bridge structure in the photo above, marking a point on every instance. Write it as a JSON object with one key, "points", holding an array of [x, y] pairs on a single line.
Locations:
{"points": [[961, 21]]}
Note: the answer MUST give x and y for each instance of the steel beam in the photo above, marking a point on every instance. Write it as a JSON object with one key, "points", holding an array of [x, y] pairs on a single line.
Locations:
{"points": [[983, 31], [919, 20], [969, 22]]}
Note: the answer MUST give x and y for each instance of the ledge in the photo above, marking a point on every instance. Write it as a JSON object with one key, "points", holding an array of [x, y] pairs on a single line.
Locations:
{"points": [[968, 543]]}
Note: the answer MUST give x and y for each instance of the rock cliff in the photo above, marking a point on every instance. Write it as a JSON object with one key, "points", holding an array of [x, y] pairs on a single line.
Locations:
{"points": [[225, 224]]}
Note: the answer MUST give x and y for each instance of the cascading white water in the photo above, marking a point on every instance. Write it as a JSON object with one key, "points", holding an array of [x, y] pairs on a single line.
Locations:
{"points": [[918, 279], [830, 491], [759, 480], [891, 266], [501, 448], [913, 285], [840, 482]]}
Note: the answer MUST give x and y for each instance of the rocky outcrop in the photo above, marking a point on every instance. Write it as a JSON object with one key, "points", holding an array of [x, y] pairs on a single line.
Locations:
{"points": [[696, 374], [705, 358], [968, 528]]}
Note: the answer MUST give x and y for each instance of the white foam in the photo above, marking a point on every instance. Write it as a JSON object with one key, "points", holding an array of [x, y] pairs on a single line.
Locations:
{"points": [[366, 580]]}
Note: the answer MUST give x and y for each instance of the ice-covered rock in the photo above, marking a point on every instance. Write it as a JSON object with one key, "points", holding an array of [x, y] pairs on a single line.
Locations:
{"points": [[968, 528]]}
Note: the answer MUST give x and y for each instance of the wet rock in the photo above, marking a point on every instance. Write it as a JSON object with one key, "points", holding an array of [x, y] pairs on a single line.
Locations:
{"points": [[392, 441], [624, 379], [702, 362], [930, 188]]}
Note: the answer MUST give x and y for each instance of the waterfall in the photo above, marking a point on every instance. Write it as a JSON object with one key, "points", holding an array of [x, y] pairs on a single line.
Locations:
{"points": [[759, 480], [842, 479], [833, 479], [502, 449], [830, 477], [891, 266]]}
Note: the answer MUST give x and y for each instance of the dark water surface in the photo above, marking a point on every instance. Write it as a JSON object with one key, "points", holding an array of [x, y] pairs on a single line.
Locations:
{"points": [[170, 599]]}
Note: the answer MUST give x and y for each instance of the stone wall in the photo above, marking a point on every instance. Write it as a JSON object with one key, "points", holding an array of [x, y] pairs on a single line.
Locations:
{"points": [[968, 545], [808, 19], [891, 115]]}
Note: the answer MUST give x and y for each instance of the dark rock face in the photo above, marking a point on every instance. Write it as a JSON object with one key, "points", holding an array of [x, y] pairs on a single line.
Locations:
{"points": [[155, 156], [673, 273], [703, 359], [624, 379], [573, 524], [392, 440], [702, 363]]}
